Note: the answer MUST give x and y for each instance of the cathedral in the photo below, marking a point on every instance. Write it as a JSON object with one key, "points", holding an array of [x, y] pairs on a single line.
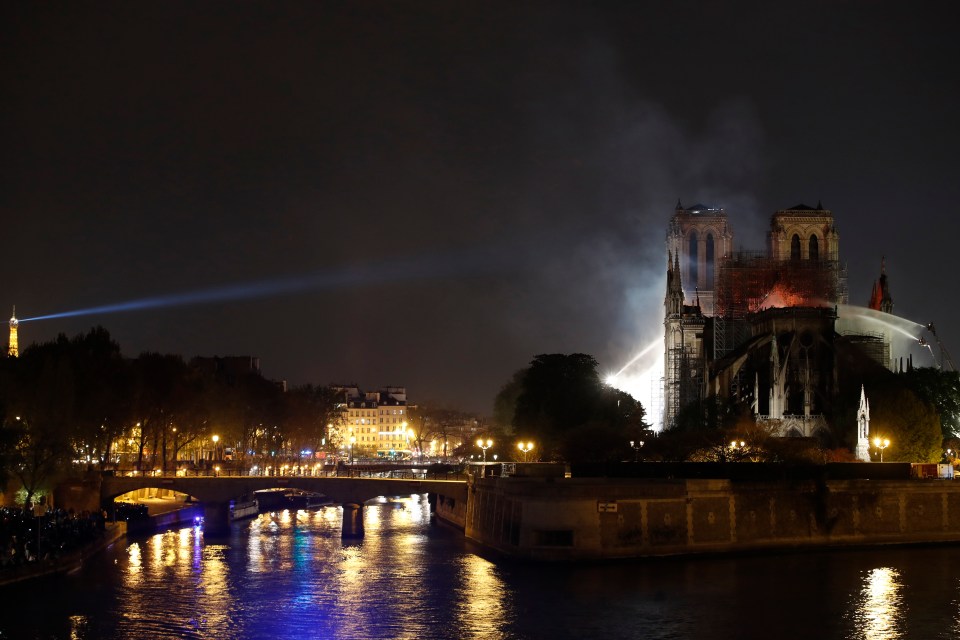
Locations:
{"points": [[757, 329]]}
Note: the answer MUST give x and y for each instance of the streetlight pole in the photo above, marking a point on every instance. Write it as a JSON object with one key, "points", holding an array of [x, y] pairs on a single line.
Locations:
{"points": [[881, 445], [175, 451], [636, 449], [484, 445], [525, 448]]}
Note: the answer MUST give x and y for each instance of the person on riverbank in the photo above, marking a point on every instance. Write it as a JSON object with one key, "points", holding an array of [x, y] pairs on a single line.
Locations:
{"points": [[26, 538]]}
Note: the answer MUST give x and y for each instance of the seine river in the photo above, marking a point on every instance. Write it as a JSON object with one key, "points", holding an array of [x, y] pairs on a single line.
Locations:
{"points": [[289, 575]]}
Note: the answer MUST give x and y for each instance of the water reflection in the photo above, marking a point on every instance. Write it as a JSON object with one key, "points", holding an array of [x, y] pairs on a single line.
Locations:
{"points": [[215, 600], [291, 575], [482, 602], [880, 610], [78, 627]]}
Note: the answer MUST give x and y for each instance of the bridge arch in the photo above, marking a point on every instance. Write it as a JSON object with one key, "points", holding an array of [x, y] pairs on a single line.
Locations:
{"points": [[350, 493]]}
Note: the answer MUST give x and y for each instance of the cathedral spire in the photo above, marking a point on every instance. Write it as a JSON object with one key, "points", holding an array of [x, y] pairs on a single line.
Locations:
{"points": [[673, 301], [880, 298], [863, 428]]}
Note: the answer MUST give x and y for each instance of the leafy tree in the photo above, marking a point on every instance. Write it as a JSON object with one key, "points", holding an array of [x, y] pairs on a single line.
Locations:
{"points": [[559, 392], [940, 389], [505, 404], [561, 401], [912, 426]]}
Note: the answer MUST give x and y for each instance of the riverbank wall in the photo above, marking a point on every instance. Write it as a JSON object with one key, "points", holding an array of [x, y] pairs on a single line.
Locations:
{"points": [[182, 517], [70, 562], [558, 519], [450, 511]]}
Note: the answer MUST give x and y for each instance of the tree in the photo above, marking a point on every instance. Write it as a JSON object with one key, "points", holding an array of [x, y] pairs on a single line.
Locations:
{"points": [[940, 389], [562, 401], [433, 422], [312, 413], [41, 408], [911, 425], [157, 396], [505, 404]]}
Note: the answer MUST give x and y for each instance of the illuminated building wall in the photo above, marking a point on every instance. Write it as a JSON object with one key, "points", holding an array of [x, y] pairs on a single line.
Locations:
{"points": [[376, 420]]}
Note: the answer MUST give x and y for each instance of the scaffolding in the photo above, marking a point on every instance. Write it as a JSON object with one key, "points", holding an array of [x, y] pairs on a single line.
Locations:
{"points": [[751, 281], [875, 345], [671, 388]]}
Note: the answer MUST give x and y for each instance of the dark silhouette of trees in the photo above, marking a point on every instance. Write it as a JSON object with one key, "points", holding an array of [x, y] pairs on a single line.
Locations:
{"points": [[912, 426], [67, 405], [563, 406], [940, 389]]}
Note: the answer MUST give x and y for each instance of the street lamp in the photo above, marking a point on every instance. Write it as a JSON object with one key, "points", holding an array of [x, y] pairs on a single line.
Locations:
{"points": [[216, 448], [525, 448], [737, 444], [353, 440], [636, 448], [484, 445], [881, 445]]}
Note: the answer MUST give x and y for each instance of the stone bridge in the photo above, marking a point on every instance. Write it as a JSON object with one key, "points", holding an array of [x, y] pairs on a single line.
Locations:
{"points": [[216, 492]]}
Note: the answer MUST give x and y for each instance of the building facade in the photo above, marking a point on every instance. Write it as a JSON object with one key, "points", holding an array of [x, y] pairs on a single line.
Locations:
{"points": [[374, 424], [757, 328]]}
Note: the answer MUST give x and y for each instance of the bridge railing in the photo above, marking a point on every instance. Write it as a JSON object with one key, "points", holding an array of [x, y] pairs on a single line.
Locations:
{"points": [[414, 472]]}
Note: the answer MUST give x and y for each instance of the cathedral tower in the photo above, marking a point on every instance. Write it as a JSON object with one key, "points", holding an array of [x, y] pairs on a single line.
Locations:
{"points": [[804, 233], [683, 327], [699, 237]]}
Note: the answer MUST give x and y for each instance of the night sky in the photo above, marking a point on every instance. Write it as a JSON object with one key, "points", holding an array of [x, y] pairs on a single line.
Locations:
{"points": [[430, 194]]}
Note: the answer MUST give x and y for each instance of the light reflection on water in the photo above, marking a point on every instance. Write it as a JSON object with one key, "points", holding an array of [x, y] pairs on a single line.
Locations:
{"points": [[290, 575], [880, 610], [482, 602]]}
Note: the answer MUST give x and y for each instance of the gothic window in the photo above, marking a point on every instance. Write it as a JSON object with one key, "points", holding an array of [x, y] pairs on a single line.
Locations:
{"points": [[692, 257], [710, 260], [814, 248], [795, 247]]}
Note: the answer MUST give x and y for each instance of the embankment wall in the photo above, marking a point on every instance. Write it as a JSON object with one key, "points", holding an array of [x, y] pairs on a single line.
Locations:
{"points": [[569, 518]]}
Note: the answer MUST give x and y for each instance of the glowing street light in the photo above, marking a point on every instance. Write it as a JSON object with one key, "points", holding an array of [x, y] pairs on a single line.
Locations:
{"points": [[636, 448], [736, 445], [484, 445], [353, 440], [216, 448], [881, 445], [525, 448]]}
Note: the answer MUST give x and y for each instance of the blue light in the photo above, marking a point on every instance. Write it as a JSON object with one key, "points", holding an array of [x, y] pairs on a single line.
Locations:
{"points": [[425, 267]]}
